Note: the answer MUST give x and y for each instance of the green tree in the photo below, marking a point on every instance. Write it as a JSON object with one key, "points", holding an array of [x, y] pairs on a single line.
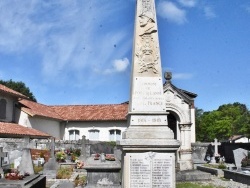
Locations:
{"points": [[227, 120], [19, 87]]}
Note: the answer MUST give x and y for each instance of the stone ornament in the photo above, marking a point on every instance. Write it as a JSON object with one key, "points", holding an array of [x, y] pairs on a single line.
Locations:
{"points": [[146, 48]]}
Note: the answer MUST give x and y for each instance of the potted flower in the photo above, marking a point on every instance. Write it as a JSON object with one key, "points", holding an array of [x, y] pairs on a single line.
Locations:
{"points": [[13, 175], [73, 158], [60, 156], [97, 156]]}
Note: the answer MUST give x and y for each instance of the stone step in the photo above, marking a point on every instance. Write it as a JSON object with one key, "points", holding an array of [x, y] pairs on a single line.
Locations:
{"points": [[192, 175]]}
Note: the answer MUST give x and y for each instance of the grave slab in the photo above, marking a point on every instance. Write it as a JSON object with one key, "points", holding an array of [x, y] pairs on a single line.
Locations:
{"points": [[102, 174], [33, 181]]}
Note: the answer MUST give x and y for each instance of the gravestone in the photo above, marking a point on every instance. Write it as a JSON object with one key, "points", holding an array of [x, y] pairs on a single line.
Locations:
{"points": [[83, 149], [199, 153], [2, 155], [216, 153], [26, 164], [148, 132], [50, 168], [239, 154]]}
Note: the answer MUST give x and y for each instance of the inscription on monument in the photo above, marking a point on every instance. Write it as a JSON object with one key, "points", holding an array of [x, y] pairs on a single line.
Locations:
{"points": [[151, 170], [148, 120], [148, 95]]}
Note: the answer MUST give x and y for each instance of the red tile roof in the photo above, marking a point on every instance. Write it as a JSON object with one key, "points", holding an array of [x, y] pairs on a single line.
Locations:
{"points": [[15, 130], [37, 109], [111, 112], [11, 92]]}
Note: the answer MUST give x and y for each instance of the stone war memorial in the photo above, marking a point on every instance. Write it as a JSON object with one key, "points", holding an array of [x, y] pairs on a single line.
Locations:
{"points": [[148, 144]]}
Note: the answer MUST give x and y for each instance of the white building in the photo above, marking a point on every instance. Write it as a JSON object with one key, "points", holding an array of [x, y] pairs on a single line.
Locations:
{"points": [[101, 122], [9, 128]]}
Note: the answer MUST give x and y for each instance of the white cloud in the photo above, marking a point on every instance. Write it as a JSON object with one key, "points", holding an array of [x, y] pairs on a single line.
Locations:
{"points": [[209, 12], [118, 65], [171, 12], [121, 65], [182, 76], [71, 38], [188, 3]]}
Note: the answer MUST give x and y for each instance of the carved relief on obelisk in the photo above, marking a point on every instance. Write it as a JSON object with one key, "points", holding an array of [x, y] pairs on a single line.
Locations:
{"points": [[146, 57]]}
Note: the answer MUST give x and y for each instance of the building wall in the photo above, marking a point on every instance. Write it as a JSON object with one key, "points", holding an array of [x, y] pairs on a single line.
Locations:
{"points": [[103, 127], [182, 111], [10, 101], [242, 140], [50, 126], [193, 127]]}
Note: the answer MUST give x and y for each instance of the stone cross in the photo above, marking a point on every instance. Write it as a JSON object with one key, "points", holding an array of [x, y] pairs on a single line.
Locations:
{"points": [[83, 148], [52, 147], [216, 144], [2, 155], [26, 163]]}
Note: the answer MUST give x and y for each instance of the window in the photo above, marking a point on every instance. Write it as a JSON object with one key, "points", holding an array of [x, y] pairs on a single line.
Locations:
{"points": [[74, 135], [94, 134], [3, 103], [114, 135]]}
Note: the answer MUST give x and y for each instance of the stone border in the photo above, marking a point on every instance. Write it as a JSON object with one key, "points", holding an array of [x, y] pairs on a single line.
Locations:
{"points": [[237, 176], [57, 181], [214, 171]]}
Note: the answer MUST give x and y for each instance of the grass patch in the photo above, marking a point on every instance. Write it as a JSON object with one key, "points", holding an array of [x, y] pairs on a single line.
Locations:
{"points": [[37, 169], [217, 166], [81, 181], [194, 185], [64, 173]]}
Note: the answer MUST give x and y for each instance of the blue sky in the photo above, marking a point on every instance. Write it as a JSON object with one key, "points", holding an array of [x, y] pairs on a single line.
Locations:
{"points": [[79, 52]]}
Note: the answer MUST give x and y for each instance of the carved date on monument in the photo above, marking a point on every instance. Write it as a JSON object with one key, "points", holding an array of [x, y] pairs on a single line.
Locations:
{"points": [[149, 120], [151, 170]]}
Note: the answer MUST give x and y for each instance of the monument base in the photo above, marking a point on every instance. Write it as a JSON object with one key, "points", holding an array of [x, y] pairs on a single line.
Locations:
{"points": [[149, 132], [149, 162]]}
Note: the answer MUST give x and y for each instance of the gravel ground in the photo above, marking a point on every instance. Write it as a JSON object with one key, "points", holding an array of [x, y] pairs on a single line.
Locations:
{"points": [[216, 181]]}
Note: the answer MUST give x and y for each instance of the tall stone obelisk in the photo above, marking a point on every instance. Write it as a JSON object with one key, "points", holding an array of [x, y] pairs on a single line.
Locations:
{"points": [[148, 144]]}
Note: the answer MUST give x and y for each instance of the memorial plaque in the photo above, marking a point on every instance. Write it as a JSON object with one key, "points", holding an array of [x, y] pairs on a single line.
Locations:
{"points": [[151, 169], [148, 95]]}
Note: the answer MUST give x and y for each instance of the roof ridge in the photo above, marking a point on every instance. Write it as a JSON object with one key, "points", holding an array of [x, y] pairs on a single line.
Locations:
{"points": [[6, 89], [85, 105]]}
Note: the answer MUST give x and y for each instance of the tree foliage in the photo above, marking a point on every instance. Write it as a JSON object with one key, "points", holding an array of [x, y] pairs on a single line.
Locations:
{"points": [[227, 120], [19, 87]]}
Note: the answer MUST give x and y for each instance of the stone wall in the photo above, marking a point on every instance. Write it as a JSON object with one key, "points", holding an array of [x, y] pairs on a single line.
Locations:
{"points": [[14, 146]]}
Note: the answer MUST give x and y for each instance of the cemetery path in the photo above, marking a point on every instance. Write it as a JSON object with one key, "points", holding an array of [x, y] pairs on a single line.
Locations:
{"points": [[218, 182]]}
